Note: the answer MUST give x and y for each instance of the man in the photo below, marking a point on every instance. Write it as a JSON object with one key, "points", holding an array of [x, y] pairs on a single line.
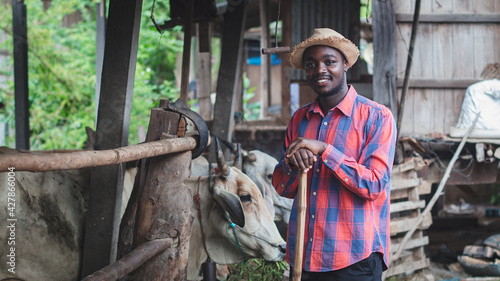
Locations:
{"points": [[345, 143]]}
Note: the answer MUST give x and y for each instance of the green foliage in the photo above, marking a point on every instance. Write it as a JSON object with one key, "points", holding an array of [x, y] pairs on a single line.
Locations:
{"points": [[61, 71], [156, 58], [257, 270], [495, 196], [250, 110]]}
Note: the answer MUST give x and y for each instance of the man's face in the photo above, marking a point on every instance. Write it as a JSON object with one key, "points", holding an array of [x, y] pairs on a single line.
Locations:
{"points": [[325, 69]]}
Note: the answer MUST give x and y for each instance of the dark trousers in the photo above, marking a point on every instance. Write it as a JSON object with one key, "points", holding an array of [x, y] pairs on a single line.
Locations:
{"points": [[369, 269]]}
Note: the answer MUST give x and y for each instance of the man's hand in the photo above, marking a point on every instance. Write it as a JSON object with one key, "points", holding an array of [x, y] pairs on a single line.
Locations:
{"points": [[301, 153]]}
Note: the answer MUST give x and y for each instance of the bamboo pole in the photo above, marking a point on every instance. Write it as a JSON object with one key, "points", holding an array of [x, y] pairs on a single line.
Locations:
{"points": [[301, 221], [131, 261], [436, 194], [32, 162]]}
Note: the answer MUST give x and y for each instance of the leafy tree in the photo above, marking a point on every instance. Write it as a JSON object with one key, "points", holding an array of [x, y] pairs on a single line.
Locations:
{"points": [[62, 71]]}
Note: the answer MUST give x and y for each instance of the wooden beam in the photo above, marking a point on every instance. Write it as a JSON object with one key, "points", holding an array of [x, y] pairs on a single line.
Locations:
{"points": [[286, 68], [115, 103], [100, 39], [186, 52], [85, 159], [131, 261], [450, 18], [409, 60], [439, 83], [204, 70], [21, 92], [230, 70], [384, 46], [265, 60]]}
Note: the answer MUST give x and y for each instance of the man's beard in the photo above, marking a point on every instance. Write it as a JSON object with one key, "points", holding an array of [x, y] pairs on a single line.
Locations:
{"points": [[336, 89]]}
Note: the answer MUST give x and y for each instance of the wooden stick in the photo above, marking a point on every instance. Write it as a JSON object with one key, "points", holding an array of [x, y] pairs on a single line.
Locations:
{"points": [[131, 261], [84, 159], [275, 50], [436, 194], [301, 221]]}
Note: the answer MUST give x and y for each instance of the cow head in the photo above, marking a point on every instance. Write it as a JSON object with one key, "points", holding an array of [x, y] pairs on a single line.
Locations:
{"points": [[235, 221], [259, 167]]}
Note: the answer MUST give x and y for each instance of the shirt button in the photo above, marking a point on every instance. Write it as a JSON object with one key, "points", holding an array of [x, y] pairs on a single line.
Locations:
{"points": [[314, 193], [325, 123], [326, 161], [310, 239], [346, 179], [312, 216], [282, 185], [317, 170], [289, 173]]}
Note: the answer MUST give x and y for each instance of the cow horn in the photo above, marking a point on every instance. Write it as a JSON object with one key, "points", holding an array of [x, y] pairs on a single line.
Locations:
{"points": [[221, 161], [249, 156], [232, 204], [237, 159]]}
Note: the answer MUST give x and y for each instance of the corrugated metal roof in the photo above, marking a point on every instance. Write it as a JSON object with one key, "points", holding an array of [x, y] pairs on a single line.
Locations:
{"points": [[340, 15]]}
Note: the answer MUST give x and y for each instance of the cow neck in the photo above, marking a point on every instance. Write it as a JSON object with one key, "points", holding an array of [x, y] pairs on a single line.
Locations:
{"points": [[198, 206]]}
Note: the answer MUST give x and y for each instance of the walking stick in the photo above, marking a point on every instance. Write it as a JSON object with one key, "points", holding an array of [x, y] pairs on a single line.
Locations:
{"points": [[301, 220]]}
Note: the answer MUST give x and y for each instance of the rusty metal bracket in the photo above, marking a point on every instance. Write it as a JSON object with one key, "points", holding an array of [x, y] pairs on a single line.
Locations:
{"points": [[179, 107]]}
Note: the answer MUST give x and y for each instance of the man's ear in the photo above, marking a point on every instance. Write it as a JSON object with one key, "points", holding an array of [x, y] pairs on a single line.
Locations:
{"points": [[346, 66]]}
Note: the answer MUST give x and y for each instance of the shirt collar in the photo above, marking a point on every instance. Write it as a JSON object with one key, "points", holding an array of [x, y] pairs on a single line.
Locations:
{"points": [[345, 106]]}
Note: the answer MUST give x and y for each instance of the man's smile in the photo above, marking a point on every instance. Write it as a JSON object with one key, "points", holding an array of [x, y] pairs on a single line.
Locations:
{"points": [[322, 80]]}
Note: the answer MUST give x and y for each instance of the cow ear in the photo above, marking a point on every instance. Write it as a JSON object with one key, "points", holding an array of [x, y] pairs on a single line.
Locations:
{"points": [[232, 204]]}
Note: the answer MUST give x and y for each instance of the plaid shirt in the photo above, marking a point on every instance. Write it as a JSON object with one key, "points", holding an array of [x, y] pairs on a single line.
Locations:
{"points": [[348, 192]]}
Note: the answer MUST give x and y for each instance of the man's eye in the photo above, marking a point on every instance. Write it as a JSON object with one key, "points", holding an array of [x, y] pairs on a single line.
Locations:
{"points": [[309, 65], [245, 198], [330, 62]]}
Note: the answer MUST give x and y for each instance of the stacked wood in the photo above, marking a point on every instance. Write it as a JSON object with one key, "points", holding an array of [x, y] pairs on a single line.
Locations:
{"points": [[406, 206]]}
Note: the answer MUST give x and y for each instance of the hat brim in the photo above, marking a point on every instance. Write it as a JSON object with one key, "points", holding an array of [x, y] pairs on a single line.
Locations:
{"points": [[345, 46]]}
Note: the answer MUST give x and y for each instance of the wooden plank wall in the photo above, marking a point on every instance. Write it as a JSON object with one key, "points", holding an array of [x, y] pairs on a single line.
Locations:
{"points": [[452, 47]]}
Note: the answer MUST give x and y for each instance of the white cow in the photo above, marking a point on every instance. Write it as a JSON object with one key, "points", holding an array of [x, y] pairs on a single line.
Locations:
{"points": [[260, 168], [47, 240], [235, 223]]}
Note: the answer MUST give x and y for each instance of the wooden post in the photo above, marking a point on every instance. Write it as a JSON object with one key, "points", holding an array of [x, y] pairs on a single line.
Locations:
{"points": [[406, 82], [265, 60], [301, 222], [21, 93], [164, 209], [160, 122], [384, 47], [100, 39], [230, 71], [115, 104], [186, 52], [204, 69], [286, 68]]}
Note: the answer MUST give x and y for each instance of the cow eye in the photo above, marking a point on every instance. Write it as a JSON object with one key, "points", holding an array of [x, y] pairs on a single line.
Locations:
{"points": [[245, 198], [270, 177]]}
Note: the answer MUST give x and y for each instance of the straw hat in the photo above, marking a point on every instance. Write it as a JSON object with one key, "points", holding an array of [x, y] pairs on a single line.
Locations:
{"points": [[325, 37]]}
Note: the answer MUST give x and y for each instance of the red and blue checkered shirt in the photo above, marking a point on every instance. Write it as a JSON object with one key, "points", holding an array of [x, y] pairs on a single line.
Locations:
{"points": [[348, 190]]}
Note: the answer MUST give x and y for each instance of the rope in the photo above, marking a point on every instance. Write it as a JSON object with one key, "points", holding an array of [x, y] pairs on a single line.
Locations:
{"points": [[237, 244], [196, 198]]}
